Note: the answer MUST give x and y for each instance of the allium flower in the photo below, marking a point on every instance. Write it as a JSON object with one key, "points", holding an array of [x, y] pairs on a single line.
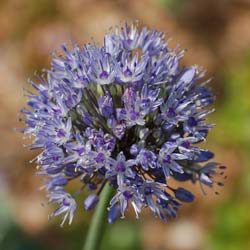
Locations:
{"points": [[127, 115]]}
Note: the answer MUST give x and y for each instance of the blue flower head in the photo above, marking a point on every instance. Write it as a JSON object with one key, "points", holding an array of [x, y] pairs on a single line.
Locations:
{"points": [[125, 114]]}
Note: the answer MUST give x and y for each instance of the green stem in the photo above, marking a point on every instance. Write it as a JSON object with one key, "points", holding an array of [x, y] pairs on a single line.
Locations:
{"points": [[99, 220]]}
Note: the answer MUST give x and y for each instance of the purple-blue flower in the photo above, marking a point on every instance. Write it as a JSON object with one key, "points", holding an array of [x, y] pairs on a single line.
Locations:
{"points": [[124, 114]]}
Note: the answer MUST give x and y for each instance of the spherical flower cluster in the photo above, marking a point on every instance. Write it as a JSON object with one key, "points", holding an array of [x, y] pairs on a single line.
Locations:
{"points": [[126, 115]]}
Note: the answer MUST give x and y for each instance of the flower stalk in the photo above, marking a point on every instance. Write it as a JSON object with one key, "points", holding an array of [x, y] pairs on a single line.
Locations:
{"points": [[98, 222]]}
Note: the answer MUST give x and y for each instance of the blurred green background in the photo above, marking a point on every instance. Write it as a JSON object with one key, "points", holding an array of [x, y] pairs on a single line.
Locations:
{"points": [[217, 36]]}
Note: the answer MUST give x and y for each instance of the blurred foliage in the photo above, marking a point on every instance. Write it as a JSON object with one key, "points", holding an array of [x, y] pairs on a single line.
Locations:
{"points": [[5, 216], [232, 229], [232, 117], [122, 236], [232, 220], [16, 239], [174, 5]]}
